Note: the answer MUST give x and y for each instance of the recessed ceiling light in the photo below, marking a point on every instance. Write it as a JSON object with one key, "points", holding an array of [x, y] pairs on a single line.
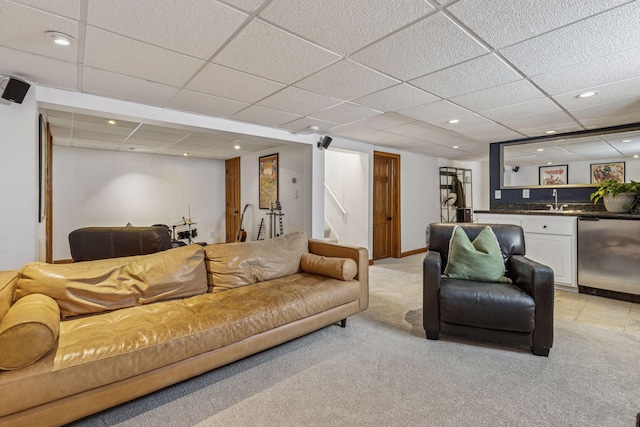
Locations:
{"points": [[111, 122], [550, 131], [454, 121], [635, 156], [548, 163], [185, 154], [314, 128], [60, 38], [587, 94], [237, 147], [540, 149], [626, 140], [455, 146]]}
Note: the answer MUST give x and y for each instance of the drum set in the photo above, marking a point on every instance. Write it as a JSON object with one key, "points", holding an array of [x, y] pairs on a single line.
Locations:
{"points": [[179, 233]]}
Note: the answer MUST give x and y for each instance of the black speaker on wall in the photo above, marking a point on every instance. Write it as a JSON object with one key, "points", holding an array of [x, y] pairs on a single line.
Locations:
{"points": [[15, 90], [323, 144]]}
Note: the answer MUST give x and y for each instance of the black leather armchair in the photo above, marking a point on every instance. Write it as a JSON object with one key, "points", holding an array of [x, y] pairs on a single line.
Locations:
{"points": [[519, 313]]}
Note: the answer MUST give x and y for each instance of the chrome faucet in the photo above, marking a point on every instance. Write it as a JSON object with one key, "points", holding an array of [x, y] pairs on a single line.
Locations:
{"points": [[555, 206]]}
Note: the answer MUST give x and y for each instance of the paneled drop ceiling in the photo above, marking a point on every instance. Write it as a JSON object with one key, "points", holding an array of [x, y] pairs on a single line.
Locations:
{"points": [[394, 73]]}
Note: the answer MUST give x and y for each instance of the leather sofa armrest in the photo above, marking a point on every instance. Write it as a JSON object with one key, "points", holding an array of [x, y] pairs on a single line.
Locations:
{"points": [[8, 281], [537, 280], [358, 254], [431, 278]]}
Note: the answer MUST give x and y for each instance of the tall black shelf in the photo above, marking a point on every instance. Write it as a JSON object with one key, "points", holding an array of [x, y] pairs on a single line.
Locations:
{"points": [[456, 208]]}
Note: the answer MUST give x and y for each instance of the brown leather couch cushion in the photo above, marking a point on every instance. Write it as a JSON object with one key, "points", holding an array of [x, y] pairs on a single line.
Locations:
{"points": [[231, 265], [336, 268], [28, 331], [96, 286]]}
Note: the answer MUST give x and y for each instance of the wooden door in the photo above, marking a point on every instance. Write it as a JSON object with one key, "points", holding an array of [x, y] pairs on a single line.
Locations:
{"points": [[386, 210], [232, 191]]}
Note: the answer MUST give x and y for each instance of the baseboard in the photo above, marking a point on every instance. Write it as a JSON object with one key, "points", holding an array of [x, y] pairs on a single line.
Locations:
{"points": [[63, 261], [413, 252]]}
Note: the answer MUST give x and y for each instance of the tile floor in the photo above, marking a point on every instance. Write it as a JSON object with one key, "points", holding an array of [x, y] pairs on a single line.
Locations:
{"points": [[606, 313], [601, 312]]}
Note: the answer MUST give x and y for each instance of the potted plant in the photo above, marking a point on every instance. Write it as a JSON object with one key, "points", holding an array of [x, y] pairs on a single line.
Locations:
{"points": [[618, 197]]}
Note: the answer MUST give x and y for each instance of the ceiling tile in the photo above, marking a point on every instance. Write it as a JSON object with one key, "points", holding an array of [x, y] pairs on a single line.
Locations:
{"points": [[467, 123], [111, 52], [471, 76], [160, 133], [144, 142], [519, 114], [591, 73], [499, 96], [248, 5], [86, 135], [302, 125], [16, 34], [114, 85], [414, 52], [436, 112], [92, 143], [345, 113], [386, 120], [231, 84], [616, 113], [493, 132], [601, 35], [298, 101], [39, 69], [206, 104], [523, 19], [346, 80], [396, 98], [423, 132], [390, 139], [266, 51], [606, 94], [353, 23], [164, 23], [351, 130], [264, 116], [66, 8]]}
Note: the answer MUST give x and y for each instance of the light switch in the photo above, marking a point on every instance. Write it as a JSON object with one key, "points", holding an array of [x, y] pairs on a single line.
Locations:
{"points": [[498, 194], [525, 193]]}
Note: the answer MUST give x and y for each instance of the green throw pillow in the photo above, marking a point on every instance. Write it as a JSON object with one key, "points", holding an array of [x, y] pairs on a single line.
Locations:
{"points": [[480, 260]]}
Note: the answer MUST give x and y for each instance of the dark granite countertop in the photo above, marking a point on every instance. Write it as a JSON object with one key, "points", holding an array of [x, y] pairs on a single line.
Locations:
{"points": [[578, 213]]}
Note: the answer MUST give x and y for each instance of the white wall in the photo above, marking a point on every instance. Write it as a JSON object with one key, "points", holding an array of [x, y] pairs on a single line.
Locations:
{"points": [[347, 175], [294, 197], [111, 188], [19, 183]]}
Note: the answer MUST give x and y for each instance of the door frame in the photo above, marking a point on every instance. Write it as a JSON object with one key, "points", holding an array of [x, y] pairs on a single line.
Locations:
{"points": [[394, 199]]}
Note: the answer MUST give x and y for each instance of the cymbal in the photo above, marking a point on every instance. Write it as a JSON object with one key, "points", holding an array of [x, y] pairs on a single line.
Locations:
{"points": [[185, 221]]}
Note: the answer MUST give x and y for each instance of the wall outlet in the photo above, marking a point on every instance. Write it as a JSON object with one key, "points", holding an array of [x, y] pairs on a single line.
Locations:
{"points": [[525, 193], [498, 194]]}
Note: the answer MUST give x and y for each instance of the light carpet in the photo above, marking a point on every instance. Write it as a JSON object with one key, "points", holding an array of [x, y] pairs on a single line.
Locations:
{"points": [[381, 371]]}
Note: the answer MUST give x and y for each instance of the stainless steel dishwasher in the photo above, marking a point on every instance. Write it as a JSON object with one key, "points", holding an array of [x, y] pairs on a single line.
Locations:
{"points": [[609, 257]]}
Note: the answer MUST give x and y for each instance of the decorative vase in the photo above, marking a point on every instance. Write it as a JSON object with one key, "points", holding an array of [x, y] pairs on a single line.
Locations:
{"points": [[621, 203]]}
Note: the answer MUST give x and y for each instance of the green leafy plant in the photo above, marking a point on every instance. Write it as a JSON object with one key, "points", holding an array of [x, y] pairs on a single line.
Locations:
{"points": [[614, 188]]}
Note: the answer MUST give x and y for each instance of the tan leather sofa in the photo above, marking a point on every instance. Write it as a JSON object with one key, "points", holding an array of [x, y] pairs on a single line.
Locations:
{"points": [[79, 338]]}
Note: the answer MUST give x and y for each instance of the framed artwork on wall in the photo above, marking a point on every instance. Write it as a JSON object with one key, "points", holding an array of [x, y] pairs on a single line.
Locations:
{"points": [[42, 161], [553, 175], [606, 171], [268, 180]]}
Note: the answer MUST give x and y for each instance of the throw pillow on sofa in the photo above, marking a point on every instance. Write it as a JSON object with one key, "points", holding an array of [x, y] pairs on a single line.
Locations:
{"points": [[28, 331], [96, 286], [231, 265], [336, 268], [480, 260]]}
